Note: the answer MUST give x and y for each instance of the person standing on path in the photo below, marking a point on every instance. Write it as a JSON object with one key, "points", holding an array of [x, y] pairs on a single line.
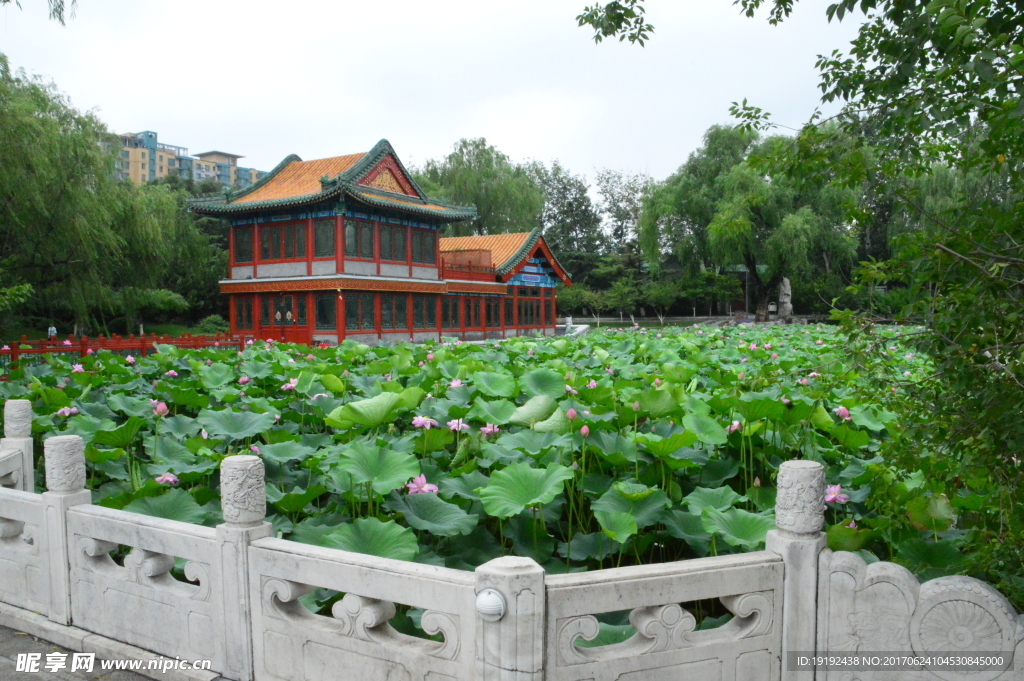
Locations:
{"points": [[51, 332]]}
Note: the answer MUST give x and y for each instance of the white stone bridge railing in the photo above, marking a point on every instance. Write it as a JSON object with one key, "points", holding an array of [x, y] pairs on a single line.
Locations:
{"points": [[231, 595]]}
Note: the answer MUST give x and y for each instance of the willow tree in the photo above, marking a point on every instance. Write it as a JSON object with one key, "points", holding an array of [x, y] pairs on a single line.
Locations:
{"points": [[68, 227]]}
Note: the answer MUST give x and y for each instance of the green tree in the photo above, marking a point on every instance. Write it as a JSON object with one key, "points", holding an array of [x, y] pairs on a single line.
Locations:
{"points": [[623, 296], [621, 205], [660, 296], [571, 223], [506, 196], [58, 8]]}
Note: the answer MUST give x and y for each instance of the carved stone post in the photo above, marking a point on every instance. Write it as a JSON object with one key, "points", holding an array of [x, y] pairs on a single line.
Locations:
{"points": [[64, 459], [510, 622], [785, 302], [16, 468], [244, 504], [799, 516]]}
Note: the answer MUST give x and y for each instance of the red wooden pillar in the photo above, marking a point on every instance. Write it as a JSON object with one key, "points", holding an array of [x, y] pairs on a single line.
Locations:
{"points": [[376, 306], [309, 247], [339, 315], [376, 245]]}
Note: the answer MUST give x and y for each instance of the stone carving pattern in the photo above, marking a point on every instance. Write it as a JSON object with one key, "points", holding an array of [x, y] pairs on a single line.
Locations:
{"points": [[17, 418], [147, 568], [362, 618], [243, 491], [800, 506], [665, 627], [955, 614], [65, 463]]}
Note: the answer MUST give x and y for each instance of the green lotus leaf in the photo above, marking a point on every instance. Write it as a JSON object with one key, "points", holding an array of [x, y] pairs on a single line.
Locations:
{"points": [[556, 423], [512, 489], [122, 436], [216, 375], [384, 468], [176, 504], [738, 527], [530, 537], [707, 429], [371, 413], [719, 498], [646, 510], [543, 382], [333, 383], [256, 369], [657, 403], [757, 406], [618, 525], [373, 537], [848, 437], [283, 452], [535, 410], [497, 412], [434, 439], [234, 425], [294, 501], [821, 419], [843, 538], [495, 384], [690, 528], [595, 546], [465, 486], [133, 406], [430, 513], [180, 427]]}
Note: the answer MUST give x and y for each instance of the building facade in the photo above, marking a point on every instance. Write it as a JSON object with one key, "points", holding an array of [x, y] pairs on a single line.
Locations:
{"points": [[144, 159], [348, 248]]}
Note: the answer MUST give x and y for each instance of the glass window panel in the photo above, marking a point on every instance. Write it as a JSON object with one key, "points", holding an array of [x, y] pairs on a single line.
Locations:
{"points": [[387, 319], [367, 312], [265, 311], [300, 241], [275, 243], [352, 312], [323, 239], [351, 239], [385, 242], [428, 248], [509, 321], [401, 312], [289, 241], [265, 237], [366, 240], [325, 312], [301, 309], [243, 244], [398, 241]]}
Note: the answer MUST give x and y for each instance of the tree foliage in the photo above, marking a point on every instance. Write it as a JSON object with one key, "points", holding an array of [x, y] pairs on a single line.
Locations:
{"points": [[506, 195]]}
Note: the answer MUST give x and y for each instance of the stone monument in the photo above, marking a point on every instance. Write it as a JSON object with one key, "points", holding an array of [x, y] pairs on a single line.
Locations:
{"points": [[785, 302]]}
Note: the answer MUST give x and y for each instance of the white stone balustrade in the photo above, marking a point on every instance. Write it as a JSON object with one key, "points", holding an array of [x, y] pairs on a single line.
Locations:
{"points": [[236, 599]]}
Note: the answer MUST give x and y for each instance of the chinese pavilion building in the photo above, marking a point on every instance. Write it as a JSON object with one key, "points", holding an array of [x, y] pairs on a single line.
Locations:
{"points": [[348, 248]]}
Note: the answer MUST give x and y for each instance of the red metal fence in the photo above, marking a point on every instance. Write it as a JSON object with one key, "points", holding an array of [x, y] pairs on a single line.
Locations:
{"points": [[31, 352]]}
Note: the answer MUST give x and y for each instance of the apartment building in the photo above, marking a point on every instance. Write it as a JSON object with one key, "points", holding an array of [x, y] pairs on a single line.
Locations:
{"points": [[144, 159]]}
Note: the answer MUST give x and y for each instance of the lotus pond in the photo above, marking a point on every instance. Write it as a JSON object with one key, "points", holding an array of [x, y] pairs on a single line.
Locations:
{"points": [[620, 447]]}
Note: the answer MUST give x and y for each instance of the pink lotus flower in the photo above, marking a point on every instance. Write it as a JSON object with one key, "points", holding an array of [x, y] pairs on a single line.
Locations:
{"points": [[67, 411], [88, 352], [530, 351], [909, 355], [571, 414], [733, 427], [430, 357], [290, 385], [843, 413], [775, 355], [803, 381], [852, 525], [785, 400], [834, 495], [277, 417], [419, 485], [906, 373], [757, 482], [700, 333], [254, 449], [611, 372], [592, 384], [167, 479], [248, 342], [203, 434], [658, 336], [67, 342], [456, 425], [744, 360], [767, 346], [636, 406], [6, 347], [161, 409], [420, 363], [172, 373], [243, 380], [740, 376], [216, 344], [456, 383], [130, 359], [489, 429], [819, 342], [753, 346], [291, 360], [569, 389], [77, 369], [585, 431], [424, 422]]}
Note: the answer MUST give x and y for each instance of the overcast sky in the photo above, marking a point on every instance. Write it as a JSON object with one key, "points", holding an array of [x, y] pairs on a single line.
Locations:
{"points": [[329, 77]]}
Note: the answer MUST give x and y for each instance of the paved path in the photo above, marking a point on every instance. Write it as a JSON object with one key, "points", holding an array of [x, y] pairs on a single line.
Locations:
{"points": [[13, 642]]}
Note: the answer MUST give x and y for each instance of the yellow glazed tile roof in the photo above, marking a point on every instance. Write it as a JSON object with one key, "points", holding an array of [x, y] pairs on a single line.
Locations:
{"points": [[501, 246], [389, 199], [301, 178]]}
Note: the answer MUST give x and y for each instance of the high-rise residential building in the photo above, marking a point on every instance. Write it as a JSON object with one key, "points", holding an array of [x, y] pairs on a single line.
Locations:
{"points": [[144, 158]]}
